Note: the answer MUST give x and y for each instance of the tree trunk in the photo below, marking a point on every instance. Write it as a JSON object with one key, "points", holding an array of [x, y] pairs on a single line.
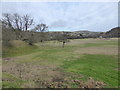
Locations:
{"points": [[63, 44]]}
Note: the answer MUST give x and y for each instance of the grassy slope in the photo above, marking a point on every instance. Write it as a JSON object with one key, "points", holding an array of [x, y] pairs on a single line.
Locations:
{"points": [[100, 67], [18, 48]]}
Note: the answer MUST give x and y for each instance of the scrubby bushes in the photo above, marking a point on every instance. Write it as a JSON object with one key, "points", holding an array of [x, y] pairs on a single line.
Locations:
{"points": [[27, 36]]}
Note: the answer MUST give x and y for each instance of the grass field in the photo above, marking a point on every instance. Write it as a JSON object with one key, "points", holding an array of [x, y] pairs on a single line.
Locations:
{"points": [[82, 63]]}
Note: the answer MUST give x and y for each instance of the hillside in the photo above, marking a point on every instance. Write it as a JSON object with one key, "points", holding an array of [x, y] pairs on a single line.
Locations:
{"points": [[16, 48], [114, 32], [76, 34], [34, 37]]}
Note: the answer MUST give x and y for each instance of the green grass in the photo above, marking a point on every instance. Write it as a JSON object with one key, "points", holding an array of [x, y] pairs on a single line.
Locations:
{"points": [[100, 67], [102, 43], [18, 51], [12, 81]]}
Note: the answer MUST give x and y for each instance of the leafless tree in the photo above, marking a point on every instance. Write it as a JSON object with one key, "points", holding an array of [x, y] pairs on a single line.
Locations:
{"points": [[16, 21], [27, 21], [7, 20], [41, 28]]}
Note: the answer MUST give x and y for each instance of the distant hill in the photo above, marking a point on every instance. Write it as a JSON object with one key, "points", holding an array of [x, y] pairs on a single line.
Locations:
{"points": [[89, 34], [76, 34], [114, 32], [33, 37]]}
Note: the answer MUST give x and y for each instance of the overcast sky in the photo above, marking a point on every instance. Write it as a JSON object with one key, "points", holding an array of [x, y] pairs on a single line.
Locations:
{"points": [[68, 16]]}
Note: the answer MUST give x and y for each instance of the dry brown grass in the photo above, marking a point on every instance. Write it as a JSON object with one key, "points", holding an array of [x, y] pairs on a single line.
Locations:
{"points": [[98, 50], [84, 41]]}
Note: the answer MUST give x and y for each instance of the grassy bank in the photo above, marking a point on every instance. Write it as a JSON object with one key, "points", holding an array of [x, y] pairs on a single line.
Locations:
{"points": [[18, 48]]}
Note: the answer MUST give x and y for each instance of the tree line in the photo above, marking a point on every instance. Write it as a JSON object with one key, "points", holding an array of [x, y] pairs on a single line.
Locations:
{"points": [[23, 23]]}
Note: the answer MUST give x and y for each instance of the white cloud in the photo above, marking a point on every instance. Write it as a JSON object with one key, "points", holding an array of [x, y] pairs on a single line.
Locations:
{"points": [[95, 16]]}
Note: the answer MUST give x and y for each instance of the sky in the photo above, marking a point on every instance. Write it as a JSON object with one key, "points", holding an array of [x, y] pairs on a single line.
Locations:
{"points": [[68, 16]]}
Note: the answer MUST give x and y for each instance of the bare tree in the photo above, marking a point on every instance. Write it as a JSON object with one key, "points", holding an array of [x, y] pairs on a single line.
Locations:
{"points": [[16, 21], [41, 28], [7, 20], [28, 21], [4, 24]]}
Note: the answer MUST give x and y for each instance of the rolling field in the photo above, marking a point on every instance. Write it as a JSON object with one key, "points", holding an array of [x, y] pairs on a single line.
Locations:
{"points": [[82, 63]]}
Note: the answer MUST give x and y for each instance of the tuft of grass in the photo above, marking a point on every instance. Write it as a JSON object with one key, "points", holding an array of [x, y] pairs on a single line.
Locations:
{"points": [[100, 67]]}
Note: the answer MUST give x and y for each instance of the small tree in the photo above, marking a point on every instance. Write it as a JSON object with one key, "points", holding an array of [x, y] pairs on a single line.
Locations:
{"points": [[31, 39], [62, 38], [41, 28]]}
